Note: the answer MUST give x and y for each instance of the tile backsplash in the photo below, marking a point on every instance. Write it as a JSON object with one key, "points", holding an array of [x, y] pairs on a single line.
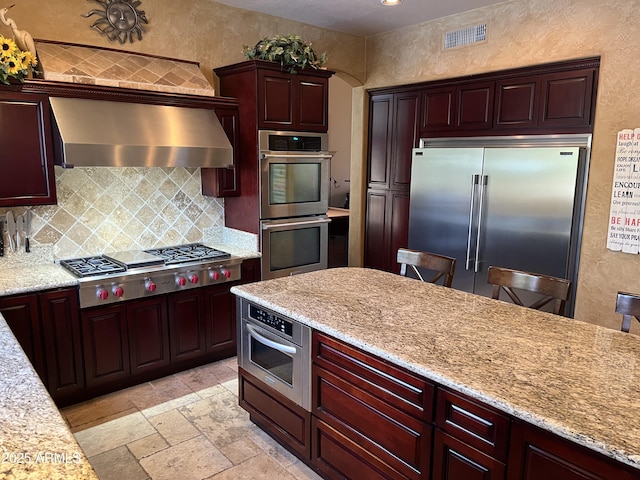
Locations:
{"points": [[104, 209]]}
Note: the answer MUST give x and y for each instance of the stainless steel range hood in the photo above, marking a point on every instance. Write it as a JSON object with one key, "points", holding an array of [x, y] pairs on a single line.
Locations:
{"points": [[97, 133]]}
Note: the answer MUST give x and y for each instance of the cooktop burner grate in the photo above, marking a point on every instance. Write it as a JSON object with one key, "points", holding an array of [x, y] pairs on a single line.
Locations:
{"points": [[90, 266], [194, 252]]}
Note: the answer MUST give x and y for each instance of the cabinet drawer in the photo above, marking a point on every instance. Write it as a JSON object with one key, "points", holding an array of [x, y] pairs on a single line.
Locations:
{"points": [[475, 424], [454, 460], [278, 416], [405, 391], [399, 440]]}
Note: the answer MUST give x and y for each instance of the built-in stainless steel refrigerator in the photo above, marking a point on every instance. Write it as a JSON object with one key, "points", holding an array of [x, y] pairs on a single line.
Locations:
{"points": [[510, 202]]}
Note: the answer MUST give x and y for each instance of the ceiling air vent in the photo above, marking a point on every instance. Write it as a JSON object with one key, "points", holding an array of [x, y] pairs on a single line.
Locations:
{"points": [[465, 36]]}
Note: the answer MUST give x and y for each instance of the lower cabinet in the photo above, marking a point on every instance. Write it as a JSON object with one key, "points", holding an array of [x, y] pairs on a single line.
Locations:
{"points": [[47, 326]]}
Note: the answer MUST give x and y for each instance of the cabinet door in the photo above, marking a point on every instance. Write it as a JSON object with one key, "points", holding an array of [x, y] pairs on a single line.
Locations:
{"points": [[311, 103], [517, 103], [535, 454], [475, 106], [406, 110], [251, 270], [275, 101], [567, 99], [106, 344], [225, 182], [62, 343], [379, 162], [27, 152], [148, 334], [220, 308], [187, 324], [386, 228], [455, 460], [23, 317], [438, 108]]}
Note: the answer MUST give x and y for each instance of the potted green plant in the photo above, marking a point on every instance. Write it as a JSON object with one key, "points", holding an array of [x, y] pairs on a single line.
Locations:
{"points": [[291, 51]]}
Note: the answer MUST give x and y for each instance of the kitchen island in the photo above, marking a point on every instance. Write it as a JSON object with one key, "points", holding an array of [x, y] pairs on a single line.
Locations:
{"points": [[576, 380]]}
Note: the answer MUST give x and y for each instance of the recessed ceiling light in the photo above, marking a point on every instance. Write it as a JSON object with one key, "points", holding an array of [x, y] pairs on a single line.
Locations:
{"points": [[390, 2]]}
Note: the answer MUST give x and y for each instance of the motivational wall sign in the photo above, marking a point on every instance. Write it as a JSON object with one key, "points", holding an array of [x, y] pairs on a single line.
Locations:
{"points": [[624, 217]]}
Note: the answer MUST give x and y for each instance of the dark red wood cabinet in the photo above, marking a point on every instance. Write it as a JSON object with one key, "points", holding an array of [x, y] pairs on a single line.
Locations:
{"points": [[369, 416], [27, 150], [225, 182], [536, 454], [47, 326], [556, 98]]}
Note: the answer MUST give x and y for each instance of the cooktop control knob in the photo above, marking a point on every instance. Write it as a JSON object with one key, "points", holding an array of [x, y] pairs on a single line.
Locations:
{"points": [[215, 275], [150, 285], [102, 294], [118, 291], [181, 281], [193, 278], [226, 273]]}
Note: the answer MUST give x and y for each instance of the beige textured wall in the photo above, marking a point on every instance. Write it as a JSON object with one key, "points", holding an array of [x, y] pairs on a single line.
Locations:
{"points": [[199, 30], [527, 32]]}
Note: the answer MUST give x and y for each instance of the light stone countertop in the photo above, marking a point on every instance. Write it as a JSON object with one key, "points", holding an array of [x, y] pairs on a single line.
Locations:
{"points": [[572, 378], [35, 441]]}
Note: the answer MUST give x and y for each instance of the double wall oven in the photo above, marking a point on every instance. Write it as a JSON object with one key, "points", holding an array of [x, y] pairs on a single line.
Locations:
{"points": [[294, 198]]}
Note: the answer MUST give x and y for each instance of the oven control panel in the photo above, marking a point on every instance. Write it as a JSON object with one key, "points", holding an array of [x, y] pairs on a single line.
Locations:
{"points": [[271, 320]]}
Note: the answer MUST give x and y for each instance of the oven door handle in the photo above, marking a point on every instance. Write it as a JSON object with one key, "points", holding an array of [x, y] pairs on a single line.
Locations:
{"points": [[270, 226], [270, 343], [297, 155]]}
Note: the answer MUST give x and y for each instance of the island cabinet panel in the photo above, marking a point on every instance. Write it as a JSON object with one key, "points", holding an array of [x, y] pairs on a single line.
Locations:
{"points": [[27, 150], [381, 410], [455, 460], [62, 343], [287, 422], [536, 454]]}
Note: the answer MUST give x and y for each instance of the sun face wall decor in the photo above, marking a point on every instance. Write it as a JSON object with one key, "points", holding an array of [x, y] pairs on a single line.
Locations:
{"points": [[119, 20]]}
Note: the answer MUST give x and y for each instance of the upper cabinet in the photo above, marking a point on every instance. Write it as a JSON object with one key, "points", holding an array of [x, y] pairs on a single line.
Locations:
{"points": [[281, 100], [292, 102], [27, 153], [552, 98]]}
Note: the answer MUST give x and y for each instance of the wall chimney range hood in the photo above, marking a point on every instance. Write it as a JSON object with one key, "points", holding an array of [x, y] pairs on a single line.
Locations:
{"points": [[98, 133]]}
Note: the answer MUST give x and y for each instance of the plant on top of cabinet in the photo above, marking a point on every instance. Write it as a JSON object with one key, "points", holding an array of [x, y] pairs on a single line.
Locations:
{"points": [[290, 50], [14, 63]]}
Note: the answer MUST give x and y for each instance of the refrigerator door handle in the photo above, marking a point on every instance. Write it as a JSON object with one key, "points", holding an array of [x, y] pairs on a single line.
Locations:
{"points": [[483, 186], [475, 180]]}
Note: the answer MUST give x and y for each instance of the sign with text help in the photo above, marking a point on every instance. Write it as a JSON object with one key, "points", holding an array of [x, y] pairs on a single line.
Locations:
{"points": [[624, 217]]}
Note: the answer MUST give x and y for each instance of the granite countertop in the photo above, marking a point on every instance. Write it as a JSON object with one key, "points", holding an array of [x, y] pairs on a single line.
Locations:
{"points": [[575, 379], [36, 442]]}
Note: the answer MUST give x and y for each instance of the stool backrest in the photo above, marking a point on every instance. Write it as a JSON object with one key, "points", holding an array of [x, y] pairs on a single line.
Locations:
{"points": [[550, 289], [628, 304], [443, 266]]}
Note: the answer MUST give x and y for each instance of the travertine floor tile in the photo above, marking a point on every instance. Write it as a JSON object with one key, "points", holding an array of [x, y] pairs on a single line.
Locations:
{"points": [[114, 434], [194, 459], [240, 450], [171, 404], [98, 409], [173, 427], [119, 464], [148, 445], [260, 467]]}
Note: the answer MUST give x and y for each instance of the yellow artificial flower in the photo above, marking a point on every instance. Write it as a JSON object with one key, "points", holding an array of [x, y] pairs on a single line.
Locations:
{"points": [[13, 66], [7, 47], [28, 60]]}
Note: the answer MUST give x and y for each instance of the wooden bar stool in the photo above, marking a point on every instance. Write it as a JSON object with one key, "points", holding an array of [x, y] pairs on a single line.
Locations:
{"points": [[443, 266], [552, 289], [628, 304]]}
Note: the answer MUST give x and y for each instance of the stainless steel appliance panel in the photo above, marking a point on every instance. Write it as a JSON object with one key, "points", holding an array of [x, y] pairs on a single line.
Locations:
{"points": [[443, 200], [276, 350], [294, 245], [528, 211], [516, 207]]}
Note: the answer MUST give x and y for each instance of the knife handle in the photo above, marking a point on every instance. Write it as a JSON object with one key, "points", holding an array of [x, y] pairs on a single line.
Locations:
{"points": [[26, 245]]}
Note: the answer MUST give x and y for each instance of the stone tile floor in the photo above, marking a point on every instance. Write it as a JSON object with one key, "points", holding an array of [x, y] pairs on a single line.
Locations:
{"points": [[187, 426]]}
